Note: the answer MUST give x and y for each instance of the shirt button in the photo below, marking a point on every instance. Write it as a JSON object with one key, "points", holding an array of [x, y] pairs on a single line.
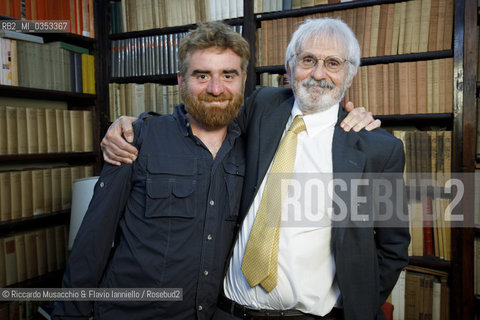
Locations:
{"points": [[212, 203], [200, 308], [102, 184], [205, 273], [209, 237]]}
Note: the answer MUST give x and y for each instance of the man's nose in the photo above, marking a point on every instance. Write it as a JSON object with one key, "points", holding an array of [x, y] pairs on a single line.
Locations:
{"points": [[319, 72], [215, 86]]}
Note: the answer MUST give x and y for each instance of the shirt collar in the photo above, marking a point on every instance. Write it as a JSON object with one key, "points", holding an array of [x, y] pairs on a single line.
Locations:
{"points": [[316, 122]]}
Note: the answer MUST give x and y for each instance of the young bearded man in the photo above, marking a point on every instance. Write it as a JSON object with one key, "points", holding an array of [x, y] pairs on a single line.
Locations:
{"points": [[172, 213]]}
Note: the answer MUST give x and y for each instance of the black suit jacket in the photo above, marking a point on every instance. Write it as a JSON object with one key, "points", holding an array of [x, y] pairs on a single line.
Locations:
{"points": [[368, 257]]}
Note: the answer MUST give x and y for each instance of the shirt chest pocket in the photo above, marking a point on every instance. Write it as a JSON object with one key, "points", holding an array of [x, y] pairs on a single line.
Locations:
{"points": [[170, 187], [234, 175]]}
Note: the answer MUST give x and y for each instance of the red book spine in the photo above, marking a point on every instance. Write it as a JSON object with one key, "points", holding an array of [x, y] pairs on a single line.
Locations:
{"points": [[3, 8], [427, 226], [28, 9], [41, 10], [17, 9]]}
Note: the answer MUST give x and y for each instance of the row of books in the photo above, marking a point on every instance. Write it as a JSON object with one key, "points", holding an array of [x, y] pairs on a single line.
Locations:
{"points": [[430, 228], [421, 293], [39, 130], [31, 192], [260, 6], [145, 56], [386, 29], [78, 12], [273, 80], [53, 66], [134, 15], [428, 154], [132, 99], [31, 254], [428, 164], [404, 88]]}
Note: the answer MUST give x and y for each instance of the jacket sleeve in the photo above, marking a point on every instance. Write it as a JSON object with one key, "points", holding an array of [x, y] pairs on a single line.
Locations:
{"points": [[392, 239], [93, 243]]}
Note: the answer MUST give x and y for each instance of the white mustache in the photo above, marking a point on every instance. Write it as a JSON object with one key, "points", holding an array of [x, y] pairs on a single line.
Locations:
{"points": [[308, 83]]}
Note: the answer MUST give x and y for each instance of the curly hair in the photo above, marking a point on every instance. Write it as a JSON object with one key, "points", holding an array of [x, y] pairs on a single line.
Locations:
{"points": [[212, 34]]}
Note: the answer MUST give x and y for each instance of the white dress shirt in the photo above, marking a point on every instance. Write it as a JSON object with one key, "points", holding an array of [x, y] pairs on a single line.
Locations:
{"points": [[306, 268]]}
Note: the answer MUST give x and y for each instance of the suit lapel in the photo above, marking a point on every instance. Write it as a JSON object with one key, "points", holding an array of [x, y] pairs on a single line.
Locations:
{"points": [[272, 126]]}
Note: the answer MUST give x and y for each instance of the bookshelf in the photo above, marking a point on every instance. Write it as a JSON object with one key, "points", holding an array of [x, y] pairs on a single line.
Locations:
{"points": [[42, 265], [460, 120]]}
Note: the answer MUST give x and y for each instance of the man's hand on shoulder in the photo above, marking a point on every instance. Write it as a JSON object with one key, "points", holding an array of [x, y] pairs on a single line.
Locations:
{"points": [[117, 149], [358, 118]]}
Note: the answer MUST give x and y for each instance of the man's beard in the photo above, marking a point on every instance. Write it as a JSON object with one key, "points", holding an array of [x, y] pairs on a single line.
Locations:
{"points": [[315, 96], [211, 117]]}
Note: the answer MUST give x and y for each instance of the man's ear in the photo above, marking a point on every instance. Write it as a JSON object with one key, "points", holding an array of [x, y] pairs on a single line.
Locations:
{"points": [[179, 80], [349, 83], [289, 75]]}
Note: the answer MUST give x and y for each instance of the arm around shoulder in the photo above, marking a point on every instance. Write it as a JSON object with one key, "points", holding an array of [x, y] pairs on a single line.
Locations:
{"points": [[116, 145]]}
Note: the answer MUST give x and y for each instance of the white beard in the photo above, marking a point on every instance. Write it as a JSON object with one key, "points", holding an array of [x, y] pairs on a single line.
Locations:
{"points": [[316, 99]]}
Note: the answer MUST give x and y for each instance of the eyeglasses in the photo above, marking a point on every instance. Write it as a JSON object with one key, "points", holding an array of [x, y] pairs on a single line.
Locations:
{"points": [[332, 63]]}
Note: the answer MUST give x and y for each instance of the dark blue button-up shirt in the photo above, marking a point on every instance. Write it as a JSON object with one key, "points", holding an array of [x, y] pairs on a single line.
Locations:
{"points": [[172, 216]]}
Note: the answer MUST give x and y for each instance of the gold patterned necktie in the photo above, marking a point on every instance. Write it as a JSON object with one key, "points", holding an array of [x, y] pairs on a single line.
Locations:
{"points": [[260, 260]]}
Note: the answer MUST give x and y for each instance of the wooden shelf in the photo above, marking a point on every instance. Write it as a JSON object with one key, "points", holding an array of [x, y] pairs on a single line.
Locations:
{"points": [[416, 116], [167, 79], [50, 280], [35, 222], [49, 157], [166, 30], [409, 57], [43, 94], [425, 121], [430, 262], [81, 41], [320, 9]]}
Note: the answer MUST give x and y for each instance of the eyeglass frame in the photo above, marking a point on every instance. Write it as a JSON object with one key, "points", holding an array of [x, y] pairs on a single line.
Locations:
{"points": [[299, 57]]}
